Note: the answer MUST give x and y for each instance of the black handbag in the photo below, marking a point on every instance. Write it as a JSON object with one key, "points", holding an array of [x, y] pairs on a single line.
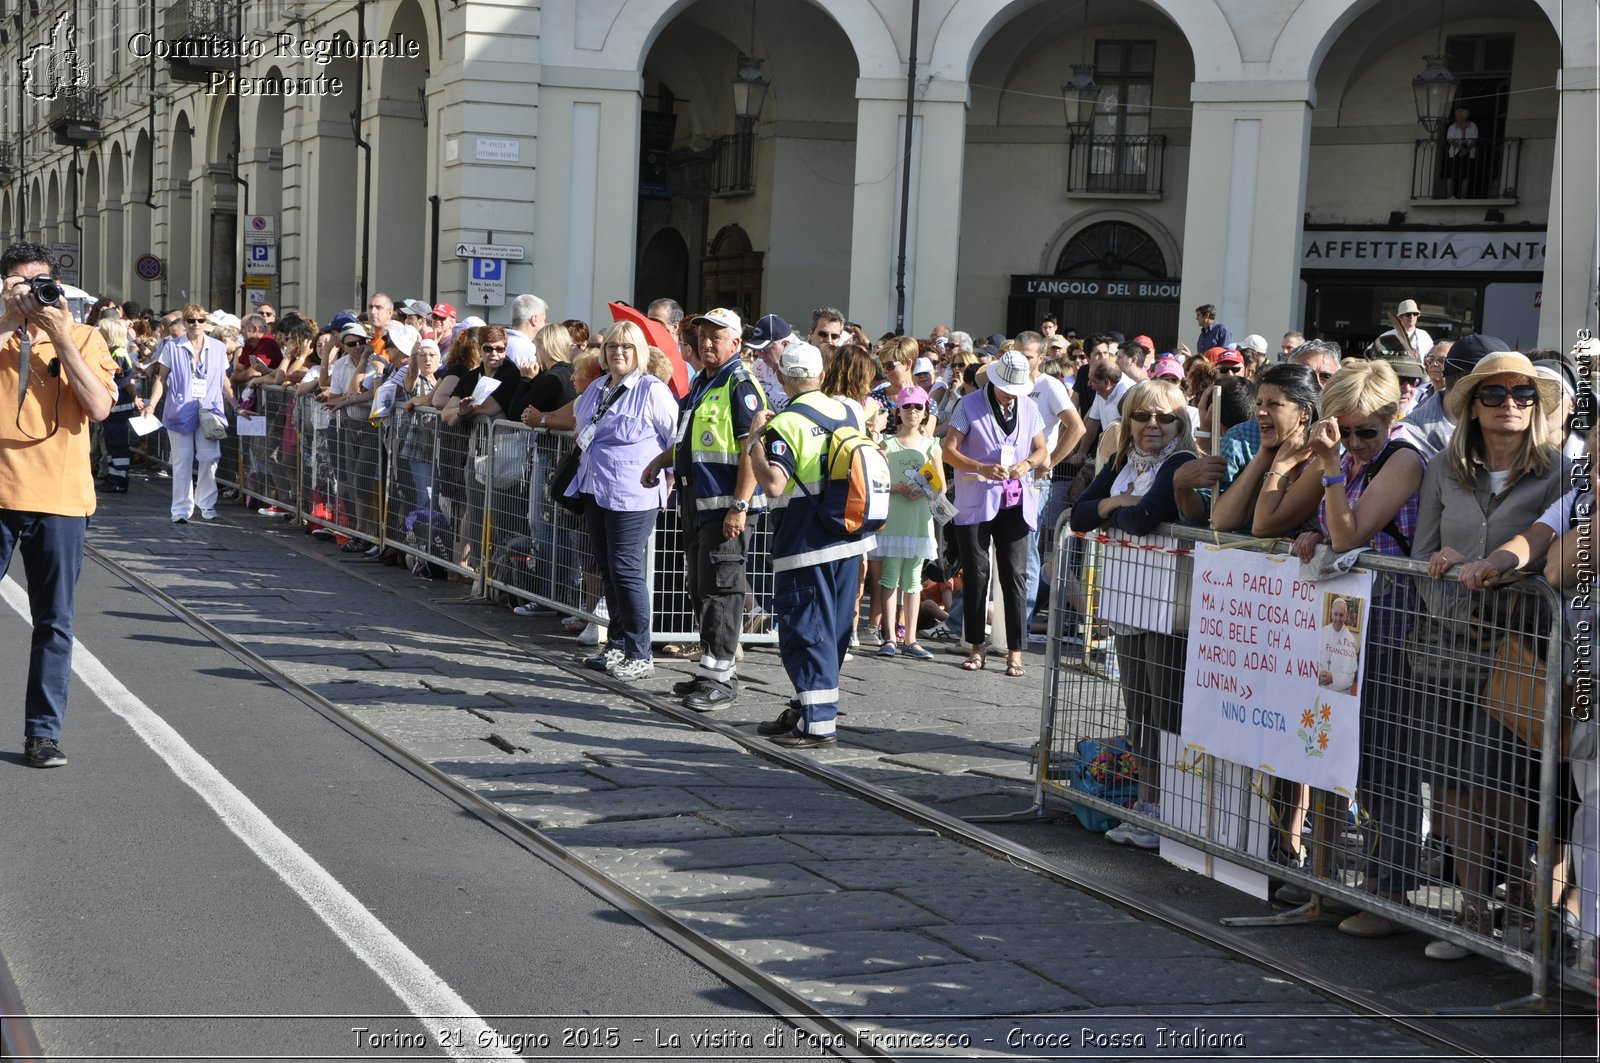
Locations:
{"points": [[560, 478]]}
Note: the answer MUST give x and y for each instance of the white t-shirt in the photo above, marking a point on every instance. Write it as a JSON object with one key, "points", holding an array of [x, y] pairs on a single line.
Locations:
{"points": [[1104, 407], [520, 350], [1051, 396]]}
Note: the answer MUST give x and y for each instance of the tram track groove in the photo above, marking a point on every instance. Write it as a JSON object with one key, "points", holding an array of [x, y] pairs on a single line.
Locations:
{"points": [[768, 990]]}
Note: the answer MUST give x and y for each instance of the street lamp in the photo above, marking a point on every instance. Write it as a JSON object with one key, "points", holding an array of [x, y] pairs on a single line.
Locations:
{"points": [[749, 89], [1079, 96], [1435, 88]]}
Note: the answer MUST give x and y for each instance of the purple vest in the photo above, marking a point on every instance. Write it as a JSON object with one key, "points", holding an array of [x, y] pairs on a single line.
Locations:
{"points": [[978, 499], [182, 412]]}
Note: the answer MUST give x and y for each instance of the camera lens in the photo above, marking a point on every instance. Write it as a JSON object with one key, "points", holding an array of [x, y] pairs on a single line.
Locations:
{"points": [[46, 290]]}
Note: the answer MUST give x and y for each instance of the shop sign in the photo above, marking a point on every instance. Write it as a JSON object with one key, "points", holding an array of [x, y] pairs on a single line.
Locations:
{"points": [[1095, 287], [1433, 251]]}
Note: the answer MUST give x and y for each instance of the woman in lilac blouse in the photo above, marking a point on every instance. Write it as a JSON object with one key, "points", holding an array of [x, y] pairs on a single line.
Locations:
{"points": [[995, 441], [623, 420]]}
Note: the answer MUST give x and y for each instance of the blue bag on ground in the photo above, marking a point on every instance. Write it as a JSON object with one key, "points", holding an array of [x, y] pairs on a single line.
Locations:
{"points": [[1105, 768]]}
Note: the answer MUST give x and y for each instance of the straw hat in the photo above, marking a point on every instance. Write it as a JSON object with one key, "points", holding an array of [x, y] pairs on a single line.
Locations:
{"points": [[1495, 364]]}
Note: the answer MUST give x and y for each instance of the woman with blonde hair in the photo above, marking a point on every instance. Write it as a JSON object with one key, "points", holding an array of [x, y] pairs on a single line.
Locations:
{"points": [[193, 371], [114, 429], [1369, 502], [1498, 475], [624, 419], [1133, 493]]}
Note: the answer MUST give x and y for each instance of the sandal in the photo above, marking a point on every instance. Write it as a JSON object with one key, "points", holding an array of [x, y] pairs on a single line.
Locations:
{"points": [[976, 662], [1014, 669]]}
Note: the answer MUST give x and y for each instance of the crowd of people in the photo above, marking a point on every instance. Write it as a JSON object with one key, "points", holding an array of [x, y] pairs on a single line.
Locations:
{"points": [[1459, 454]]}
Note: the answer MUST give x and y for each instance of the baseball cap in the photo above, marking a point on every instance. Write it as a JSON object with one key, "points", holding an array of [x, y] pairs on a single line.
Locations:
{"points": [[354, 329], [414, 308], [443, 310], [1144, 341], [911, 396], [340, 320], [767, 331], [723, 319], [223, 319], [996, 340], [1167, 366], [1226, 356], [1116, 337], [402, 337], [1255, 343], [797, 359], [922, 365]]}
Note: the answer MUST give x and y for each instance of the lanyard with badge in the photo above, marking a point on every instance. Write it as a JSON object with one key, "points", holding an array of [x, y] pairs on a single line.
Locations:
{"points": [[587, 435], [197, 377]]}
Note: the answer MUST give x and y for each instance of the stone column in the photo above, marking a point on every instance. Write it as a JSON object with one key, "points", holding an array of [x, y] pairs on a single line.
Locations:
{"points": [[1569, 295], [1244, 219], [938, 140]]}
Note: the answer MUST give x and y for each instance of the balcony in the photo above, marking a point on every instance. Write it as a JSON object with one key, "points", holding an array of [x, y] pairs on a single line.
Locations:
{"points": [[202, 37], [74, 115], [1116, 166], [735, 170], [1482, 171]]}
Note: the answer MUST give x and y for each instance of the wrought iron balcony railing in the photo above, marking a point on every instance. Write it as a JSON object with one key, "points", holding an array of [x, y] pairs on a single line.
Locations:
{"points": [[74, 115], [1116, 165], [1485, 168]]}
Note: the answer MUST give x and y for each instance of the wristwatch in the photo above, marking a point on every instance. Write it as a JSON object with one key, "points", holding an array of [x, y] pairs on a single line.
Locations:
{"points": [[739, 505]]}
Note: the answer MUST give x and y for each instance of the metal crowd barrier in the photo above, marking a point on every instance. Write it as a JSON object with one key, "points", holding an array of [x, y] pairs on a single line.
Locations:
{"points": [[1454, 824], [466, 501]]}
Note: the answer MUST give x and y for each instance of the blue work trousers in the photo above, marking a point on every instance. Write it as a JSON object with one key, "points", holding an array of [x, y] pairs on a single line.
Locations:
{"points": [[52, 557], [816, 610]]}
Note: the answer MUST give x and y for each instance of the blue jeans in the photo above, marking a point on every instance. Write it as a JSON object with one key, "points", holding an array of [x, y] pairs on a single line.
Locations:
{"points": [[52, 557], [618, 541], [1033, 552]]}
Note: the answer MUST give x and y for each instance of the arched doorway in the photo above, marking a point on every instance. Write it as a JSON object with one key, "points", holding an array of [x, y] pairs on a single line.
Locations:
{"points": [[263, 162], [114, 270], [332, 232], [93, 266], [663, 270], [1109, 276], [181, 286], [140, 225], [732, 273]]}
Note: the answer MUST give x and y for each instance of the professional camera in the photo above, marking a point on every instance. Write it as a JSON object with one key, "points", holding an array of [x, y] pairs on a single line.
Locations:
{"points": [[46, 289]]}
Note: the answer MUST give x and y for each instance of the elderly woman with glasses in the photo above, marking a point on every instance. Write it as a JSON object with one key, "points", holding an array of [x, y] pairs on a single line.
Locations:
{"points": [[1133, 493], [192, 371], [1499, 474], [1369, 502], [624, 420]]}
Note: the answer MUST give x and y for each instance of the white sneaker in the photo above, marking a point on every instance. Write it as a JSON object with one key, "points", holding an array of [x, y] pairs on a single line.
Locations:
{"points": [[1118, 835], [592, 635], [1447, 951], [1131, 833], [208, 514], [630, 671]]}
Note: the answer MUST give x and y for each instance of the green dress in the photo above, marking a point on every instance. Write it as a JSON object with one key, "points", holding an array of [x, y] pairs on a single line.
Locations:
{"points": [[909, 531]]}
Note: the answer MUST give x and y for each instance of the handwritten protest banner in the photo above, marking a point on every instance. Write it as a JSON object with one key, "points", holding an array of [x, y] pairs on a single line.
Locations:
{"points": [[1275, 667]]}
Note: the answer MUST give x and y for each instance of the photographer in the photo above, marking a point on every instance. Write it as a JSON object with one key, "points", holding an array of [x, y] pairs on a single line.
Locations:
{"points": [[55, 379]]}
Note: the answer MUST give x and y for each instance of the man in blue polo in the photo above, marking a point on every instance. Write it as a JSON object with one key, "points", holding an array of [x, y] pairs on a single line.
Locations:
{"points": [[715, 488], [815, 569]]}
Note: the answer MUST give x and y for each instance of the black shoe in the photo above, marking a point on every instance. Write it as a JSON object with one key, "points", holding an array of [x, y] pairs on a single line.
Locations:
{"points": [[686, 686], [354, 546], [785, 722], [796, 740], [44, 753], [180, 520], [709, 697], [608, 658]]}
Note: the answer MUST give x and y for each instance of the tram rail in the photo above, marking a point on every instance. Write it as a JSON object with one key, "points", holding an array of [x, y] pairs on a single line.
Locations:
{"points": [[18, 1042]]}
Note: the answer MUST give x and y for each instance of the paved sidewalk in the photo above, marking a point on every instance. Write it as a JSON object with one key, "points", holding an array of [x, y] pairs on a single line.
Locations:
{"points": [[858, 909]]}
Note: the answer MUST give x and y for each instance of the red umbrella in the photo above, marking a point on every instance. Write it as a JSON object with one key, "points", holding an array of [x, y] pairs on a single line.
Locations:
{"points": [[659, 336]]}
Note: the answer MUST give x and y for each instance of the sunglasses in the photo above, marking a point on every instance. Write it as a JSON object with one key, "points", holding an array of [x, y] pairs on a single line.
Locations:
{"points": [[891, 365], [1143, 417], [353, 343], [1367, 434], [195, 320], [492, 348], [912, 406], [1493, 395], [1231, 367]]}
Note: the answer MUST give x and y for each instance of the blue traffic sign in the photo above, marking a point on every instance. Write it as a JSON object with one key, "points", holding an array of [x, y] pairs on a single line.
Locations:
{"points": [[491, 270]]}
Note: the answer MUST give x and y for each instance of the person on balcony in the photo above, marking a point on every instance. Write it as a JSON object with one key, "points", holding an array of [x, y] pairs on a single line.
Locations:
{"points": [[1461, 154]]}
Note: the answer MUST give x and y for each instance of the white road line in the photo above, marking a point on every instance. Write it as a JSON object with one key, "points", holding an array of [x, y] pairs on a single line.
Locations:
{"points": [[427, 995]]}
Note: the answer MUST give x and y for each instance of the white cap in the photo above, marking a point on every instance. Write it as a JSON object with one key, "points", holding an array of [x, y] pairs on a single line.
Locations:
{"points": [[719, 316], [358, 331], [923, 365], [402, 338], [800, 360], [1255, 343]]}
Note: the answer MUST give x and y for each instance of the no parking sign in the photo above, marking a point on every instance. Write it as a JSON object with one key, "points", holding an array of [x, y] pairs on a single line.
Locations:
{"points": [[148, 267], [67, 259]]}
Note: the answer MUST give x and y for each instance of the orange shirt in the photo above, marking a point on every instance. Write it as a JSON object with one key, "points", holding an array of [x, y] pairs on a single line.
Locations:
{"points": [[45, 471]]}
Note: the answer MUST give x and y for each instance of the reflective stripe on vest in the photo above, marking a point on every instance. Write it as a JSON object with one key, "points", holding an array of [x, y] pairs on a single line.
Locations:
{"points": [[713, 448]]}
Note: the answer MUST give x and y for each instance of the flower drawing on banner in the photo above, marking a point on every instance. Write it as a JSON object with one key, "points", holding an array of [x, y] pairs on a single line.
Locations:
{"points": [[1316, 729]]}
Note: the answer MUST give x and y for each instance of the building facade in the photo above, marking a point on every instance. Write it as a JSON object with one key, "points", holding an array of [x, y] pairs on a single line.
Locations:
{"points": [[1261, 155]]}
